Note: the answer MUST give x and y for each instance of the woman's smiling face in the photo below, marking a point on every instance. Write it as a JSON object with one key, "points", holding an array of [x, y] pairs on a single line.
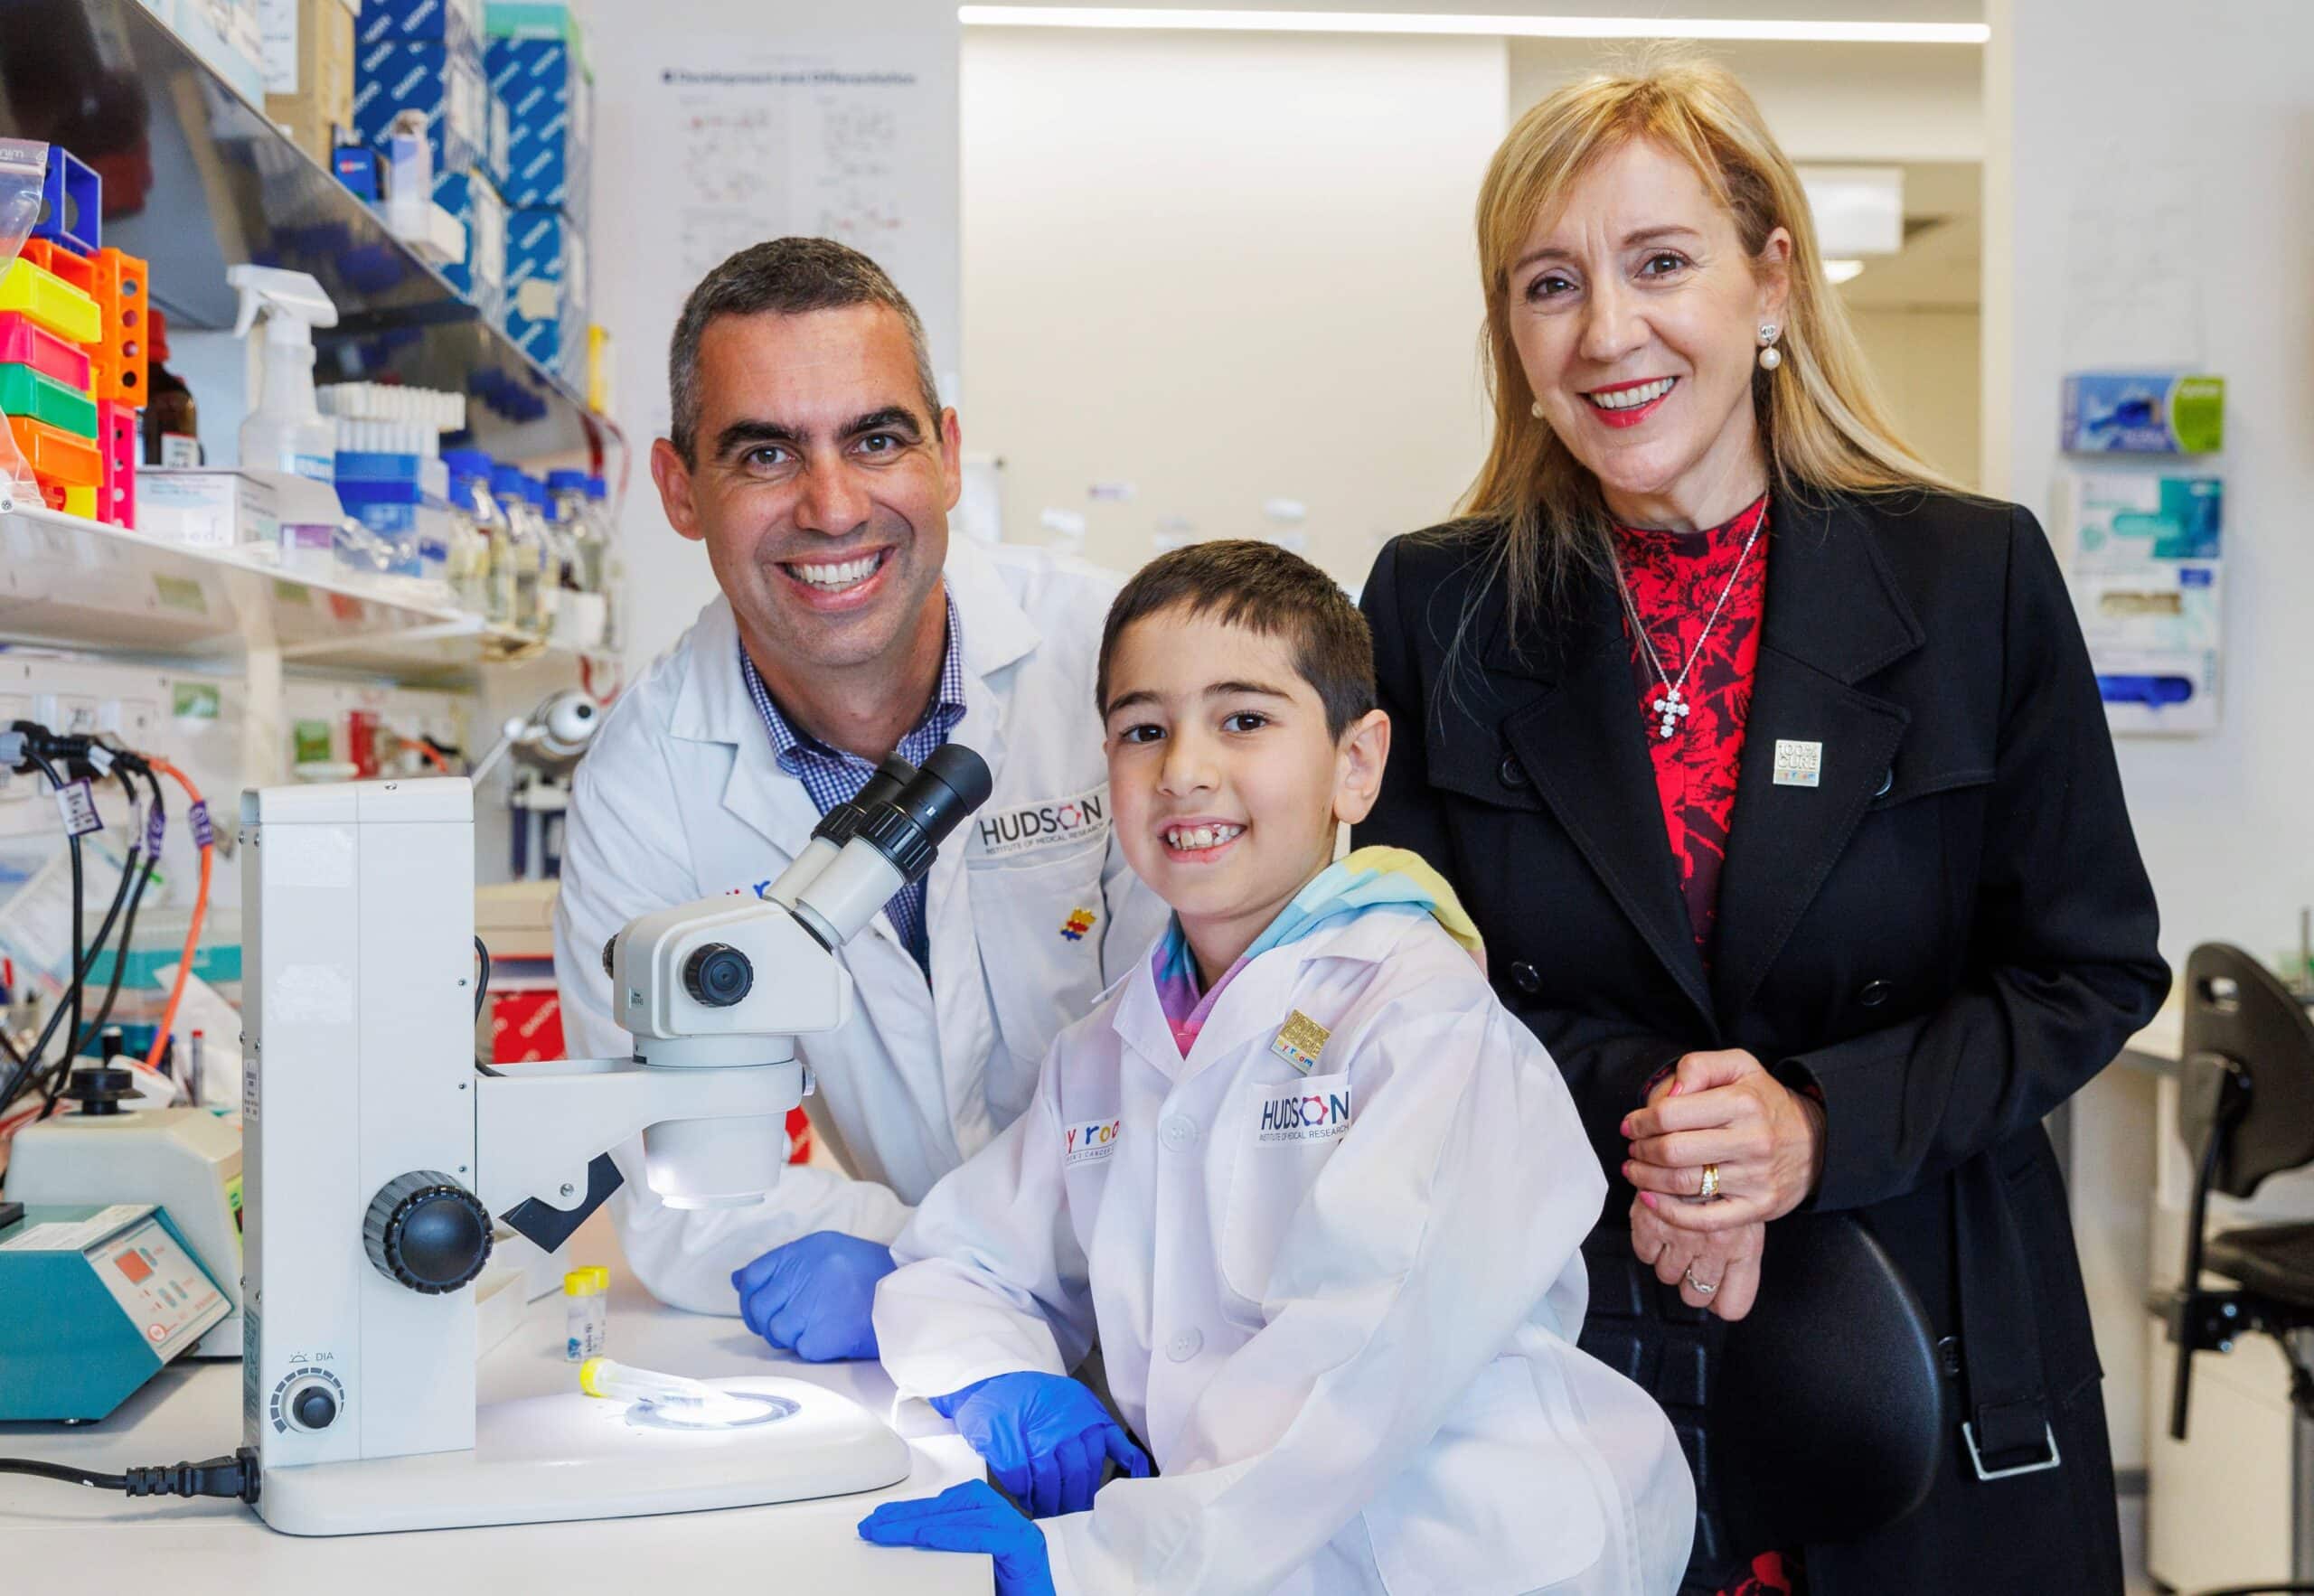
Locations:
{"points": [[1636, 311]]}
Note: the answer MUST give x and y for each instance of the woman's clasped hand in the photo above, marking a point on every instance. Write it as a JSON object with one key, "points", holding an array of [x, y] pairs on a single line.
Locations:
{"points": [[1718, 1120]]}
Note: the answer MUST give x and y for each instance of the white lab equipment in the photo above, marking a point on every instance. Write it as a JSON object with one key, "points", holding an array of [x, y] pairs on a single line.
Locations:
{"points": [[186, 1161], [546, 744], [377, 1154], [285, 431], [684, 797]]}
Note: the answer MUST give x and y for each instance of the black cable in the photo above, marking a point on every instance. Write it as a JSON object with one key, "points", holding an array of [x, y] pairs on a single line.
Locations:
{"points": [[121, 954], [72, 838], [482, 983], [28, 1068], [236, 1476], [60, 1073], [128, 927]]}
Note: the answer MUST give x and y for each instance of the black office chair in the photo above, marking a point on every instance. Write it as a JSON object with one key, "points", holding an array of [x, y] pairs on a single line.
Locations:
{"points": [[2245, 1109]]}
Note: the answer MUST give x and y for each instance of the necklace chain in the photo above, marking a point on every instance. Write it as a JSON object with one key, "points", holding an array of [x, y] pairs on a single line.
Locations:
{"points": [[1673, 707]]}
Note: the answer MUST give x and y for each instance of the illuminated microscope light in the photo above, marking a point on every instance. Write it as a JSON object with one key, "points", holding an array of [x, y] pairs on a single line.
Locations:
{"points": [[671, 1402]]}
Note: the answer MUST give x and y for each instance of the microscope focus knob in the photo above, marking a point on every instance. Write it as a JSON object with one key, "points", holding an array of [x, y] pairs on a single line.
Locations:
{"points": [[313, 1408], [719, 975], [427, 1232]]}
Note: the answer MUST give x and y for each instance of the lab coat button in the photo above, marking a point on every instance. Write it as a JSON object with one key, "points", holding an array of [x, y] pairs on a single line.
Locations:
{"points": [[1184, 1346], [1179, 1133], [1512, 773], [1526, 978], [1875, 993]]}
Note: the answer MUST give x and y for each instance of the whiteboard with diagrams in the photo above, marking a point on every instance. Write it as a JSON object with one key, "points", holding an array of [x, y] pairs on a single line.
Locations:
{"points": [[853, 142]]}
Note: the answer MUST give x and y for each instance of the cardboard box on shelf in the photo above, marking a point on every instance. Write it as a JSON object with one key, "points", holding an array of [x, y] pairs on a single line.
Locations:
{"points": [[443, 82], [537, 64], [422, 21], [480, 277], [309, 71], [546, 291]]}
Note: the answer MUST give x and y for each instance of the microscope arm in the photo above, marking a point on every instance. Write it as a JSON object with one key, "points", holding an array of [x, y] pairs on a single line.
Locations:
{"points": [[542, 1131]]}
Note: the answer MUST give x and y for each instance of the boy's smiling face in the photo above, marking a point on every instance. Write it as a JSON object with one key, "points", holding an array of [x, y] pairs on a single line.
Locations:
{"points": [[1227, 784]]}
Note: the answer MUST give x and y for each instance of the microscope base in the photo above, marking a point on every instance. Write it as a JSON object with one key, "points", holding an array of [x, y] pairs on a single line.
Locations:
{"points": [[550, 1459]]}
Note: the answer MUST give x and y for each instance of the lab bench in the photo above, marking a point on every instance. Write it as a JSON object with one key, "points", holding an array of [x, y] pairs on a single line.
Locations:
{"points": [[61, 1538]]}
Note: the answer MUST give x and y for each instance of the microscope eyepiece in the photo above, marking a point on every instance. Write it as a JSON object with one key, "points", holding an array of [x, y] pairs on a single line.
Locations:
{"points": [[909, 828], [839, 824]]}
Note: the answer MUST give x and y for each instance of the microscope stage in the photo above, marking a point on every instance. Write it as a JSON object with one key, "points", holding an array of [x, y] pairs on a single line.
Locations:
{"points": [[549, 1458]]}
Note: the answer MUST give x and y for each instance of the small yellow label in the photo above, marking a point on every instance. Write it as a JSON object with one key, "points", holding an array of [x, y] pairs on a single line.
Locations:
{"points": [[1300, 1040]]}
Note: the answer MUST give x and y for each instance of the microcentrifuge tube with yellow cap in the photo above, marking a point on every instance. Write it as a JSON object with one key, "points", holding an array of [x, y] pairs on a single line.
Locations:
{"points": [[587, 1309]]}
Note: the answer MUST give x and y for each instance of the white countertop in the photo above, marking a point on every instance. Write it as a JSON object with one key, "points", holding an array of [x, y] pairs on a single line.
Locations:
{"points": [[62, 1538]]}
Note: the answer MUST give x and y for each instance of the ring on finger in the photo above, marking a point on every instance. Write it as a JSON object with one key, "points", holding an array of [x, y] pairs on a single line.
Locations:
{"points": [[1701, 1290], [1710, 1188]]}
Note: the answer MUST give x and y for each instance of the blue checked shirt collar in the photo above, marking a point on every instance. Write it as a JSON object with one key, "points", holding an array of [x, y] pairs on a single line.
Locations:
{"points": [[833, 776]]}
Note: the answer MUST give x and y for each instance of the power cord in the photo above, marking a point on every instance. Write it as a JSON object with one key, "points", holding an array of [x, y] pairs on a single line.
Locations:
{"points": [[236, 1477]]}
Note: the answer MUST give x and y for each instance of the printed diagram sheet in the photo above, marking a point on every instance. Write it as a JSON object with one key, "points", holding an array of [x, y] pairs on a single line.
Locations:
{"points": [[791, 145]]}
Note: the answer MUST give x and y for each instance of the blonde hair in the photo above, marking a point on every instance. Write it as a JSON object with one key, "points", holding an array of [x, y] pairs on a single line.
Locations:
{"points": [[1822, 421]]}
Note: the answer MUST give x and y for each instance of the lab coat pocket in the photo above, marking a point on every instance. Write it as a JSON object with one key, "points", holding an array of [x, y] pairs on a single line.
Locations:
{"points": [[1039, 923], [1285, 1132], [1501, 1500]]}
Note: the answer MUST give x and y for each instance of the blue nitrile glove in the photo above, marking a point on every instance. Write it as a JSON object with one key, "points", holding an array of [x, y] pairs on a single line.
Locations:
{"points": [[812, 1296], [969, 1517], [1047, 1438]]}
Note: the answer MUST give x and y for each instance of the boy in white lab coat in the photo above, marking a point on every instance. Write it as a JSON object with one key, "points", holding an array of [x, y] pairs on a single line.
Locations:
{"points": [[1314, 1191]]}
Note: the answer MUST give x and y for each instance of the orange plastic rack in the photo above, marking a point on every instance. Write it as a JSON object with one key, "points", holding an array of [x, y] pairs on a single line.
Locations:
{"points": [[57, 459], [120, 355]]}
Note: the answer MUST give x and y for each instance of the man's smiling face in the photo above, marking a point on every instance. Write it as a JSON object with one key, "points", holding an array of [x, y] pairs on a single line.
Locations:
{"points": [[821, 487]]}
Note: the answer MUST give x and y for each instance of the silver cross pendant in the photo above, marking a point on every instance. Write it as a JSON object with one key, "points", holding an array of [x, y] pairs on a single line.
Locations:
{"points": [[1669, 710]]}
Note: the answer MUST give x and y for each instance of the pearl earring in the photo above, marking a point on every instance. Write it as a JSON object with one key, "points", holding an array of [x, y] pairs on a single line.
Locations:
{"points": [[1770, 357], [1536, 410]]}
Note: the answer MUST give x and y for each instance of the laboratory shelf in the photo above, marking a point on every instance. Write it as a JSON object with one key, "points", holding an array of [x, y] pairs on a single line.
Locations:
{"points": [[75, 583], [197, 180]]}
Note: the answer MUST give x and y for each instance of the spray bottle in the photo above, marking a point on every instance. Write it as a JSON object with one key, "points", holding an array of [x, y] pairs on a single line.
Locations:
{"points": [[286, 430]]}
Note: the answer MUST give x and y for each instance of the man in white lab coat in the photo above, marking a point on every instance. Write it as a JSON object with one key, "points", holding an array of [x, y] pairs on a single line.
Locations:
{"points": [[1316, 1191], [810, 454]]}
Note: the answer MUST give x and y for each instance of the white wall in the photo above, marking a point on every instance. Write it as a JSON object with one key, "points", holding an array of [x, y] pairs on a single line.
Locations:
{"points": [[2118, 110], [2146, 200], [1223, 269], [1826, 102], [1925, 360], [651, 242]]}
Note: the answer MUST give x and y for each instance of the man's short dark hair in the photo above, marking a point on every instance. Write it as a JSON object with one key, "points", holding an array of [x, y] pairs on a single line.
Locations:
{"points": [[1264, 590], [789, 277]]}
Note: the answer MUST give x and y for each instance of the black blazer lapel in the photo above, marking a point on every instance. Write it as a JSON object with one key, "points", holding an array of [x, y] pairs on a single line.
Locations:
{"points": [[1834, 617], [1583, 745]]}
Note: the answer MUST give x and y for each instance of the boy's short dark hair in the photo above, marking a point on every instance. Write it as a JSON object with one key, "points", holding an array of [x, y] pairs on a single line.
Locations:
{"points": [[1264, 590]]}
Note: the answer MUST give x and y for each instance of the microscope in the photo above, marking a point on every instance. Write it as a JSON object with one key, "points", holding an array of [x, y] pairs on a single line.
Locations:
{"points": [[377, 1152]]}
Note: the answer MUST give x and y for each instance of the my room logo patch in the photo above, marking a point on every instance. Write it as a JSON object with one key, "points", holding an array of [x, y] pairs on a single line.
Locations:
{"points": [[1308, 1111], [1052, 823], [1089, 1144]]}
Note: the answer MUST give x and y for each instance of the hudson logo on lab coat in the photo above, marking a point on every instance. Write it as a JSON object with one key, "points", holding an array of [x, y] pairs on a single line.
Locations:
{"points": [[1085, 1144], [1315, 1110], [1084, 818]]}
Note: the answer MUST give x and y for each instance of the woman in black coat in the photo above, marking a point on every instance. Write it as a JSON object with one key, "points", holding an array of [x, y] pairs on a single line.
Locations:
{"points": [[1774, 774]]}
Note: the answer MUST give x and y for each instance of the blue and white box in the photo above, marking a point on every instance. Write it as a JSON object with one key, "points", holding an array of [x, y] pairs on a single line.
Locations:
{"points": [[421, 21], [540, 75], [480, 278], [442, 81], [546, 290]]}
